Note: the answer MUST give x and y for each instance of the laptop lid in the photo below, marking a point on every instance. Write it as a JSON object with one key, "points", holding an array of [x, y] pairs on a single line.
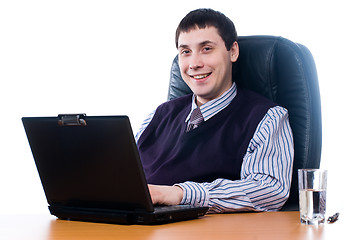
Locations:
{"points": [[88, 161]]}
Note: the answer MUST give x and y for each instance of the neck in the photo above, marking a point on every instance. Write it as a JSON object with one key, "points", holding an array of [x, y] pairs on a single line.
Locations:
{"points": [[200, 100]]}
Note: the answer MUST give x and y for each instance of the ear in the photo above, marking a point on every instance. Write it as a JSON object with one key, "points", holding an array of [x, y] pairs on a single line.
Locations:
{"points": [[234, 51]]}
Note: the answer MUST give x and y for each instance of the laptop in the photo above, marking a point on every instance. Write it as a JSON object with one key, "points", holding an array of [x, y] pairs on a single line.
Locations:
{"points": [[91, 170]]}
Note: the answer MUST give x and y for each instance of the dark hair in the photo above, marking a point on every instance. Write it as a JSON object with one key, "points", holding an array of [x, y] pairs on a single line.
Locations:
{"points": [[205, 17]]}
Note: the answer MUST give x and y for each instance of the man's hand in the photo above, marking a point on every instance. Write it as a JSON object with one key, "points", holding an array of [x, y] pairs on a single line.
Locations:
{"points": [[165, 195]]}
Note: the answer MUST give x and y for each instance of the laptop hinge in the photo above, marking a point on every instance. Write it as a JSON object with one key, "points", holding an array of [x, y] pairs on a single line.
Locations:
{"points": [[72, 119]]}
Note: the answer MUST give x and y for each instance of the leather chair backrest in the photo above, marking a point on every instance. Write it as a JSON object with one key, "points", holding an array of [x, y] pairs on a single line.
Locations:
{"points": [[284, 72]]}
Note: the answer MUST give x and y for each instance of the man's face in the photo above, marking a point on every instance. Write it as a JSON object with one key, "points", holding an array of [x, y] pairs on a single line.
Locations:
{"points": [[205, 63]]}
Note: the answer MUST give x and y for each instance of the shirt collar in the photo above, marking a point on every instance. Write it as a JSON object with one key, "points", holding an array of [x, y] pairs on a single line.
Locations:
{"points": [[209, 109]]}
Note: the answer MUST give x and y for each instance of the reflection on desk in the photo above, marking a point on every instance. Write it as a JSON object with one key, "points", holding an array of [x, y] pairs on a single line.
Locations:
{"points": [[273, 225]]}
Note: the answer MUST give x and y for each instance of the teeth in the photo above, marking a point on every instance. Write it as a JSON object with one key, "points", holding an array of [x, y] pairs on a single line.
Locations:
{"points": [[201, 76]]}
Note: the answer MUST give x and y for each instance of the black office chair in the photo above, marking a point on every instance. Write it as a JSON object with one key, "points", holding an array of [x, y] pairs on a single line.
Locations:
{"points": [[284, 72]]}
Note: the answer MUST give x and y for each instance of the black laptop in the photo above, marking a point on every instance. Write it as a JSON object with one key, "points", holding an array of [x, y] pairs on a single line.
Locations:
{"points": [[90, 170]]}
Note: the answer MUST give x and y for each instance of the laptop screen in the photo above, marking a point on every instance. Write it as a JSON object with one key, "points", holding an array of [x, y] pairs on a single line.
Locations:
{"points": [[88, 161]]}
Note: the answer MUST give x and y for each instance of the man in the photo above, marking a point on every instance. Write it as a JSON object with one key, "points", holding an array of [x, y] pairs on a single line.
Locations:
{"points": [[222, 146]]}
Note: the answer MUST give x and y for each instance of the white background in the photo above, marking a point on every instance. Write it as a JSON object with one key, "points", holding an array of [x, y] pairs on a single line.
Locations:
{"points": [[114, 57]]}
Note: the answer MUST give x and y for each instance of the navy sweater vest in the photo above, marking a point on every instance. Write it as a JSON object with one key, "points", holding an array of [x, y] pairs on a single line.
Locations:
{"points": [[213, 150]]}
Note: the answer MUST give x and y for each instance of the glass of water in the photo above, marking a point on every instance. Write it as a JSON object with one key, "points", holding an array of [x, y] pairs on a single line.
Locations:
{"points": [[312, 195]]}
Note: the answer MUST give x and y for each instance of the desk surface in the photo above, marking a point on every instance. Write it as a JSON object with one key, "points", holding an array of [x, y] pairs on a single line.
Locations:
{"points": [[274, 225]]}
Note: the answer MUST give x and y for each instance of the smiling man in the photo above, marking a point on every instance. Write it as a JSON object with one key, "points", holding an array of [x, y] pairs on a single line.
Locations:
{"points": [[223, 147], [205, 63]]}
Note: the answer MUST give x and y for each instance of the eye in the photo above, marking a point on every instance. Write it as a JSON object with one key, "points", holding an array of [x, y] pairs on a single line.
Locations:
{"points": [[185, 52], [207, 49]]}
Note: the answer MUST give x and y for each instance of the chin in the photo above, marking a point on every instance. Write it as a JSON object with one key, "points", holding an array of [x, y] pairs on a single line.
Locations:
{"points": [[203, 93]]}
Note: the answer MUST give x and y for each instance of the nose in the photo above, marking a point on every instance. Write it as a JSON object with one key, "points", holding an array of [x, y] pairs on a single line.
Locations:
{"points": [[196, 62]]}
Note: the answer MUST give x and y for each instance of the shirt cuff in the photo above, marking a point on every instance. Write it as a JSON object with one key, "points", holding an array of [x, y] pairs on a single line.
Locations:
{"points": [[194, 194]]}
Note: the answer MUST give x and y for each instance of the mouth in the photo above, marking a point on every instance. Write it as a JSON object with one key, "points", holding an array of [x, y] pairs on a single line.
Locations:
{"points": [[200, 76]]}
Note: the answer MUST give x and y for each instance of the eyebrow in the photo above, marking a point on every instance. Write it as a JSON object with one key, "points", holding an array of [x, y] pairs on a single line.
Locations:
{"points": [[200, 44]]}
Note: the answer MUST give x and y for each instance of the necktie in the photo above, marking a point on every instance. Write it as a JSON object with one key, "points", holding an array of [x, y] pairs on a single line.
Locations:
{"points": [[196, 119]]}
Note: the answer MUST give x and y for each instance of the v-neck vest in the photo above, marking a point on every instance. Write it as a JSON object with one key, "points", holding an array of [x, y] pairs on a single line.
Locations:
{"points": [[213, 150]]}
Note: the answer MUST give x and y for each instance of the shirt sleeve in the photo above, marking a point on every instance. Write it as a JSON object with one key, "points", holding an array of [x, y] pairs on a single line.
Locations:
{"points": [[144, 125], [265, 176]]}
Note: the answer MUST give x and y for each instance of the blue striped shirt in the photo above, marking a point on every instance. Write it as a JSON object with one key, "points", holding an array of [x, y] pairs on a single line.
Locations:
{"points": [[266, 170]]}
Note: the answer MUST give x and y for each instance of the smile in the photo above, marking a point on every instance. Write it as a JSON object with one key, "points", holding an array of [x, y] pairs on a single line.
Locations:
{"points": [[201, 76]]}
